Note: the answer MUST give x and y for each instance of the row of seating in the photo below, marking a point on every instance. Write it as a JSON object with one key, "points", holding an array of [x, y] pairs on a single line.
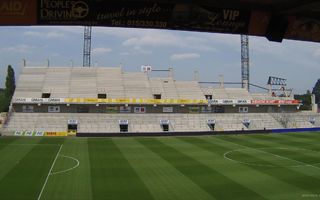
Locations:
{"points": [[98, 122]]}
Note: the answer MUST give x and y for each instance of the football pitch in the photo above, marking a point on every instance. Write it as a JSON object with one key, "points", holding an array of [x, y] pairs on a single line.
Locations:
{"points": [[271, 166]]}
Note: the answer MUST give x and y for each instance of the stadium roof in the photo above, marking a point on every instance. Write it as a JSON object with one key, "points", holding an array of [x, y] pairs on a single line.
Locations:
{"points": [[274, 19]]}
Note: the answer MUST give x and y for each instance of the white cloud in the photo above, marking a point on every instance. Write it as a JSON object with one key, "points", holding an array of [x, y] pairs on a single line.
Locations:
{"points": [[154, 40], [22, 48], [316, 53], [47, 35], [184, 56], [101, 50], [136, 37], [136, 50]]}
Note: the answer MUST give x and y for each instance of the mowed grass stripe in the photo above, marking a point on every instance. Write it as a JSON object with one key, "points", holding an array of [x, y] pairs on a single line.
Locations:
{"points": [[112, 177], [250, 176], [162, 179], [74, 184], [292, 148], [210, 180], [6, 140], [12, 152], [304, 177], [26, 178], [311, 142], [307, 151], [306, 135], [290, 139]]}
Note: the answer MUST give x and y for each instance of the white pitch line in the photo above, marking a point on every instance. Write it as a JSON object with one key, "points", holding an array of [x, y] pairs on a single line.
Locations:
{"points": [[66, 170], [283, 157], [54, 161]]}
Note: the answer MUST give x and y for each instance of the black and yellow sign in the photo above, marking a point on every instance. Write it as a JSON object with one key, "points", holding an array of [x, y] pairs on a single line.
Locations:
{"points": [[142, 15]]}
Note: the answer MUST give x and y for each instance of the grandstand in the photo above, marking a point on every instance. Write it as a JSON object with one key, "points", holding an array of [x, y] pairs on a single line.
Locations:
{"points": [[62, 100]]}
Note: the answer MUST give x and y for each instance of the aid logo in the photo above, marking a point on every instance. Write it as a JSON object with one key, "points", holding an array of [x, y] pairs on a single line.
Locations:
{"points": [[12, 8]]}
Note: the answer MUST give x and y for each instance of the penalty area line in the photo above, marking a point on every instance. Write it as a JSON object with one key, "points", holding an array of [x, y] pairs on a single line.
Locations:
{"points": [[49, 173]]}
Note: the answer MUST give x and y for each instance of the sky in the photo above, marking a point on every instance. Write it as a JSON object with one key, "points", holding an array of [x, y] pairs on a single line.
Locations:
{"points": [[211, 54]]}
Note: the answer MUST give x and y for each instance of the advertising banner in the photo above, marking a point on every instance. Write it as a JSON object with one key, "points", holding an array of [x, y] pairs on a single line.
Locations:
{"points": [[56, 134], [193, 110], [18, 12], [149, 101], [112, 109], [139, 110], [283, 102], [206, 109], [139, 14], [167, 109], [125, 109]]}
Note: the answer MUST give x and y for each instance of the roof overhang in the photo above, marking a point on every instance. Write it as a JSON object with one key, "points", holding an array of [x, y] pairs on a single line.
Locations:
{"points": [[274, 19]]}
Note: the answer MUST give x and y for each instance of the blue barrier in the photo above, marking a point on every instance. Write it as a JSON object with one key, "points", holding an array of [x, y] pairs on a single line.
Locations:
{"points": [[295, 130]]}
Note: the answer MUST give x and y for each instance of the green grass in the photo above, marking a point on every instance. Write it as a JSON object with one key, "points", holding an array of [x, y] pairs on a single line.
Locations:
{"points": [[275, 166]]}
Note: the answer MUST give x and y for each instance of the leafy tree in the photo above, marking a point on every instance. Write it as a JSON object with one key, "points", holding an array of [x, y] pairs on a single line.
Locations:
{"points": [[306, 100], [2, 100], [316, 91], [6, 96], [10, 83]]}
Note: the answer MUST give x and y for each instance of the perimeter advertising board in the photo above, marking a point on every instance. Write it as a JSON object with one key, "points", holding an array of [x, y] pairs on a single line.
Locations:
{"points": [[142, 15], [224, 18], [18, 12]]}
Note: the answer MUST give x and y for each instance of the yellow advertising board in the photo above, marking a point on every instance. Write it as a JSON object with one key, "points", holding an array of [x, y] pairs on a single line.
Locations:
{"points": [[135, 101], [55, 134]]}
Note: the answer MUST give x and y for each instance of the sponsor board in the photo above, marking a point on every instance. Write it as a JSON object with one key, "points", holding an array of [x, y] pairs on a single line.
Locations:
{"points": [[39, 133], [53, 109], [194, 110], [125, 109], [123, 122], [143, 15], [72, 121], [139, 109], [228, 101], [29, 133], [167, 109], [18, 133], [72, 132], [164, 122], [18, 12], [58, 134], [39, 100], [206, 109], [150, 101], [283, 102], [112, 109]]}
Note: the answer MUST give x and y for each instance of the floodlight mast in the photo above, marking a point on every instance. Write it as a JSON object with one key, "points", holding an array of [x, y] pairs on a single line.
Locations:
{"points": [[87, 46], [245, 75]]}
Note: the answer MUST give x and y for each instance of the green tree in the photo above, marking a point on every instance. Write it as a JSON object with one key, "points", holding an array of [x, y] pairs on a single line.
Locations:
{"points": [[316, 91], [5, 99], [2, 101], [10, 82], [305, 99]]}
